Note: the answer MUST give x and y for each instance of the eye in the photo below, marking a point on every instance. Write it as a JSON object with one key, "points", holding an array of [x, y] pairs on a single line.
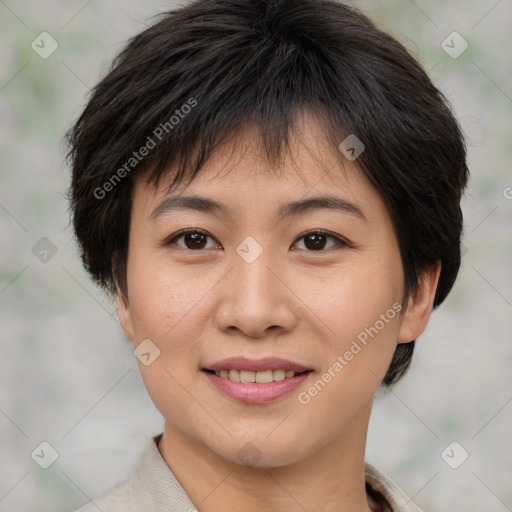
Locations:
{"points": [[195, 239], [315, 240], [192, 238]]}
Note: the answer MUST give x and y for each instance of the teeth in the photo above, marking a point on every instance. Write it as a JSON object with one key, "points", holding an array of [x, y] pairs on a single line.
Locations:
{"points": [[260, 377], [246, 376], [234, 375]]}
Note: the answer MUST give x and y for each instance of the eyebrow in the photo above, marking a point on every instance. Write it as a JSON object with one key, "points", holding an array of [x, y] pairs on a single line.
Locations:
{"points": [[206, 205]]}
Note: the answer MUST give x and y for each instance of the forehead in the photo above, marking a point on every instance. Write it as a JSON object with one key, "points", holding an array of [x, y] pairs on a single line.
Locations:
{"points": [[239, 174]]}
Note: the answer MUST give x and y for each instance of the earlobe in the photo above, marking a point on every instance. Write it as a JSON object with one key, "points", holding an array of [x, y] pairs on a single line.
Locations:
{"points": [[419, 305], [125, 319]]}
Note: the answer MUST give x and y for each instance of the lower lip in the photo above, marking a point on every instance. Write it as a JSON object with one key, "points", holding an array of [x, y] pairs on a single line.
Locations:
{"points": [[256, 393]]}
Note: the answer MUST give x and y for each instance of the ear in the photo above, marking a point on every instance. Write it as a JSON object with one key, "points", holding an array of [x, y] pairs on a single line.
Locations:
{"points": [[419, 305], [125, 315]]}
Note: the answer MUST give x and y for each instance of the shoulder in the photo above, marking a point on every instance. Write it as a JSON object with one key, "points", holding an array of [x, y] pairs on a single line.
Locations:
{"points": [[132, 494], [151, 486], [116, 499]]}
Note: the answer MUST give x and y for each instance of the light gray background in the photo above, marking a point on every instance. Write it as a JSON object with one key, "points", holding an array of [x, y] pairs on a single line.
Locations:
{"points": [[68, 377]]}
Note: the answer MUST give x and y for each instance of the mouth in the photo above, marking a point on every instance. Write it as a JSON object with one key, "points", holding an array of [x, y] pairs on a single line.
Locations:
{"points": [[256, 381]]}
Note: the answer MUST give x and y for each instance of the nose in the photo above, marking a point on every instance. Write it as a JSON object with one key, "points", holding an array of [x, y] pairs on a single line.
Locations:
{"points": [[255, 298]]}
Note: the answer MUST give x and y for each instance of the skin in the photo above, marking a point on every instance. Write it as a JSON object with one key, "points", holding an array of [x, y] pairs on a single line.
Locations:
{"points": [[295, 301]]}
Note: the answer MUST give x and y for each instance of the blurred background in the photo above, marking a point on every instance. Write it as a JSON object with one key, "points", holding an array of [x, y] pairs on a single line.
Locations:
{"points": [[69, 380]]}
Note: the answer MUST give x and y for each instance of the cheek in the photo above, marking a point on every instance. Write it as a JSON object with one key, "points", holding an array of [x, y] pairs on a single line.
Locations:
{"points": [[357, 351], [353, 299], [166, 311], [360, 311], [164, 301]]}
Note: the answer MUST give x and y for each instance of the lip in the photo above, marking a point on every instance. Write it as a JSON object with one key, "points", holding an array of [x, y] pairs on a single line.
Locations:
{"points": [[256, 393], [256, 365]]}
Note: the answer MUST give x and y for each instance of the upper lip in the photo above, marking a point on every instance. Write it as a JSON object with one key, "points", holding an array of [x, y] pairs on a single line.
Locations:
{"points": [[256, 365]]}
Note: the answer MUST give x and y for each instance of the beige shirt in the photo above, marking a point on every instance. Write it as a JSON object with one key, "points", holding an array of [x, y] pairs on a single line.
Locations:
{"points": [[152, 487]]}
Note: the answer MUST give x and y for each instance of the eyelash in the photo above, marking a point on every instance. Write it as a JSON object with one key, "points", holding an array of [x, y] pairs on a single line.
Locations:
{"points": [[179, 234]]}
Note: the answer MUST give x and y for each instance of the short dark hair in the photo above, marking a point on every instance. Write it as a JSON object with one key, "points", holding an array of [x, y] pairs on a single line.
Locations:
{"points": [[205, 70]]}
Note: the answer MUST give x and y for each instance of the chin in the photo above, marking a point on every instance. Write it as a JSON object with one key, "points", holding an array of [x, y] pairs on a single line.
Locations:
{"points": [[261, 452]]}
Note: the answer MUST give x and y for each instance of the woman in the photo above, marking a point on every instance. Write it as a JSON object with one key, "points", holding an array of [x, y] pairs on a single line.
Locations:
{"points": [[271, 189]]}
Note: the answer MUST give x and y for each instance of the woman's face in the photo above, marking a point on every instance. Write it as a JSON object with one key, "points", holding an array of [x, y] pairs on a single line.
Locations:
{"points": [[259, 281]]}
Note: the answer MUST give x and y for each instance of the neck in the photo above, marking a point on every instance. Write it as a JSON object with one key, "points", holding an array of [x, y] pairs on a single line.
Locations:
{"points": [[329, 480]]}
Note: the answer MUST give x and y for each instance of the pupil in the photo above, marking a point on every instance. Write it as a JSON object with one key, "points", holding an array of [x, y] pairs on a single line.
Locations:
{"points": [[196, 237], [315, 238]]}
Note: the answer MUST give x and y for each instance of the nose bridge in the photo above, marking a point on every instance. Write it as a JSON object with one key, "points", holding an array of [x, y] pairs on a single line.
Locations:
{"points": [[254, 282], [255, 299]]}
